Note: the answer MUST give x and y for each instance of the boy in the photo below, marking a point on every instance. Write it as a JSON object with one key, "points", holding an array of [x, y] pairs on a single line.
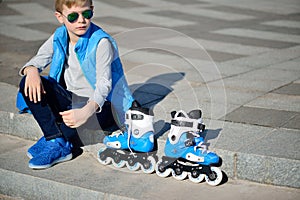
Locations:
{"points": [[85, 77]]}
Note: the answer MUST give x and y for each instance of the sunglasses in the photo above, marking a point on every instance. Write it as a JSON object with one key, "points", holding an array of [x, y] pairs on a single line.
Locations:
{"points": [[72, 17]]}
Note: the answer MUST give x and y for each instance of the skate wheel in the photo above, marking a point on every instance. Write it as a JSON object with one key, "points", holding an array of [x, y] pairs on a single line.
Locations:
{"points": [[215, 178], [132, 166], [102, 158], [149, 166], [118, 164], [179, 175], [161, 171], [196, 178]]}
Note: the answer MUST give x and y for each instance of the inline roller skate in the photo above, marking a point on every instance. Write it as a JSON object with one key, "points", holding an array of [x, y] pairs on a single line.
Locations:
{"points": [[185, 151], [133, 146]]}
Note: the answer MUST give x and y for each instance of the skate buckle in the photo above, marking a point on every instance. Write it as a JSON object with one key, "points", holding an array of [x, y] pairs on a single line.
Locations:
{"points": [[194, 158]]}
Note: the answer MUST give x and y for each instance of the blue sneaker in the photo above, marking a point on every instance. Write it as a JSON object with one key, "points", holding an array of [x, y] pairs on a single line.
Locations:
{"points": [[35, 149], [53, 152]]}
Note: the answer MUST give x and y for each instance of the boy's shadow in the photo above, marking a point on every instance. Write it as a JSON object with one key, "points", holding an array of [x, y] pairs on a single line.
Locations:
{"points": [[153, 91], [148, 94]]}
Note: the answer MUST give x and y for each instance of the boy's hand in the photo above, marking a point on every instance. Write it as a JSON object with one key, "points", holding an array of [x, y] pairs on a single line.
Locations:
{"points": [[33, 84], [76, 117]]}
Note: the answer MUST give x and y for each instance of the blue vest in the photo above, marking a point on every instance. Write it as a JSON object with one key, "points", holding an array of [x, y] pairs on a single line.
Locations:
{"points": [[86, 48]]}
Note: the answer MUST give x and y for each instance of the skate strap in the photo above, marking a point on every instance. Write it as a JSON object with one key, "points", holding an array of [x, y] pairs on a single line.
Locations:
{"points": [[187, 124], [201, 146], [135, 116]]}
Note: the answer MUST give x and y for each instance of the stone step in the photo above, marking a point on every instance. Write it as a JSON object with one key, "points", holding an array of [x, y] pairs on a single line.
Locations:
{"points": [[85, 178]]}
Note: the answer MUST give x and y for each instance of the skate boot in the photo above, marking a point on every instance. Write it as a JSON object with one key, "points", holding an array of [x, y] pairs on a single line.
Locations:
{"points": [[185, 151], [132, 146]]}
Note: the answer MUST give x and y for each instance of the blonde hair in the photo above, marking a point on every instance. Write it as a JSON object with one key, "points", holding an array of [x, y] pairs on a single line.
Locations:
{"points": [[69, 3]]}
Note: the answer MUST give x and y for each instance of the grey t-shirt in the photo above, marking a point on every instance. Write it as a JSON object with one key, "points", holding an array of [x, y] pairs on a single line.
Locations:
{"points": [[74, 77]]}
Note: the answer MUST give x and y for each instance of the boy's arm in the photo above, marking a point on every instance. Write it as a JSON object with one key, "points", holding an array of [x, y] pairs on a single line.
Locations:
{"points": [[33, 84], [104, 58], [76, 117]]}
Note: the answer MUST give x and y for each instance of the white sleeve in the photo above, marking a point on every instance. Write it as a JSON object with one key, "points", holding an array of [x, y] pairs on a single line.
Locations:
{"points": [[104, 58]]}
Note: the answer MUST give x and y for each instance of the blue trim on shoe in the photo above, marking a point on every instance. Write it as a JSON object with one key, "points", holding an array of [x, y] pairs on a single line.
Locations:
{"points": [[59, 160], [29, 155]]}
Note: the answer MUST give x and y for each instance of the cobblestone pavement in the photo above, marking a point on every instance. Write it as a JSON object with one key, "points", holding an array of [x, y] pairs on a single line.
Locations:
{"points": [[253, 52]]}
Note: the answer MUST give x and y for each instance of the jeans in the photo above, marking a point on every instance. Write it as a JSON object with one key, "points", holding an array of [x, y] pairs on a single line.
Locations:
{"points": [[57, 99]]}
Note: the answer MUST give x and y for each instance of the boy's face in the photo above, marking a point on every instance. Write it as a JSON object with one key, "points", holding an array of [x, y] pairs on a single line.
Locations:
{"points": [[80, 25]]}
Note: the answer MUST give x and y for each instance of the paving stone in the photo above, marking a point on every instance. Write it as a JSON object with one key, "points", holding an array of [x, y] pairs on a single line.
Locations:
{"points": [[291, 89], [277, 29], [228, 95], [260, 35], [261, 15], [123, 3], [44, 27], [292, 65], [7, 10], [260, 116], [230, 70], [268, 74], [122, 22], [293, 123], [240, 84], [205, 54], [276, 101], [269, 58], [280, 143], [186, 2], [214, 46], [233, 136], [268, 7], [192, 31]]}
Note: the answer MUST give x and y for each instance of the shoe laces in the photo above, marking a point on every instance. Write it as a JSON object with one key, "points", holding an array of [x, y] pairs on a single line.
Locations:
{"points": [[129, 131], [202, 146], [116, 134]]}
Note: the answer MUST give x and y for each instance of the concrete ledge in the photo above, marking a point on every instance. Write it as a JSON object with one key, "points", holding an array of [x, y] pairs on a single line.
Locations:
{"points": [[31, 187], [269, 170], [21, 125]]}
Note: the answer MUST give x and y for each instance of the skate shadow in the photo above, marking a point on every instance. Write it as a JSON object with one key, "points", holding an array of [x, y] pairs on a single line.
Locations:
{"points": [[209, 134], [160, 128]]}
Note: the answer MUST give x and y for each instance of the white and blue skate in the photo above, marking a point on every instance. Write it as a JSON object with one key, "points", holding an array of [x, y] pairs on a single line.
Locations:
{"points": [[134, 146], [185, 152]]}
